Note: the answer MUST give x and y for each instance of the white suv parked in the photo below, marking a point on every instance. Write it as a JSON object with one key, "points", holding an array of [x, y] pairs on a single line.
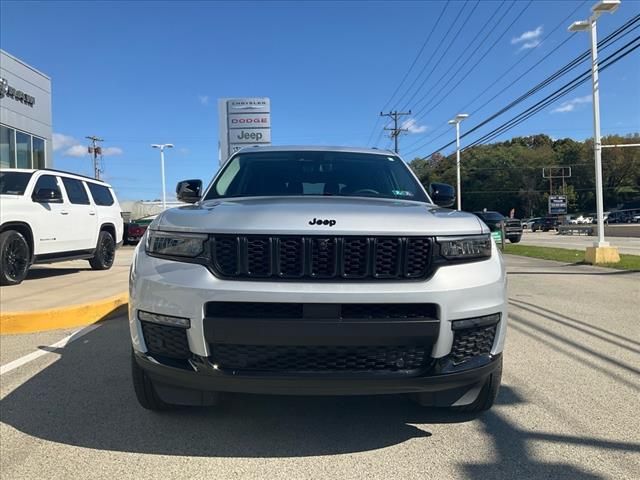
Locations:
{"points": [[48, 216]]}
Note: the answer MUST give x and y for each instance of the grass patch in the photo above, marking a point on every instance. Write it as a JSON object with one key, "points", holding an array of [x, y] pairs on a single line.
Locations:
{"points": [[627, 262]]}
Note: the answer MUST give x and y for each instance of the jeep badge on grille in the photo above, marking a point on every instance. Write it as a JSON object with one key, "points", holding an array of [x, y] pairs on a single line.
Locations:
{"points": [[319, 221]]}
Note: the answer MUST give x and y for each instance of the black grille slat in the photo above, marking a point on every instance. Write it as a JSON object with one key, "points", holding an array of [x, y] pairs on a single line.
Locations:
{"points": [[258, 257], [253, 310], [346, 311], [472, 342], [291, 257], [391, 311], [355, 257], [166, 340], [417, 257], [226, 252], [280, 358], [387, 257], [322, 258]]}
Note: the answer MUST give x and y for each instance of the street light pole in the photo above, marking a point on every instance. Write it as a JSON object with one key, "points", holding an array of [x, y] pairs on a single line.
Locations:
{"points": [[602, 6], [458, 118], [164, 191]]}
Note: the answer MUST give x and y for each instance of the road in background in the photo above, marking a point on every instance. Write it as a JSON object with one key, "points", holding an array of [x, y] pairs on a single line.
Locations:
{"points": [[626, 245], [567, 408]]}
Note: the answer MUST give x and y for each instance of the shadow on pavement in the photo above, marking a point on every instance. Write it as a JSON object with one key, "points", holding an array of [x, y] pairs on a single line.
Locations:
{"points": [[43, 272], [86, 399]]}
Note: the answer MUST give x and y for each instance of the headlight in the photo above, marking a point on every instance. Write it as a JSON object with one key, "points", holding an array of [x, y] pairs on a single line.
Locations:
{"points": [[174, 244], [465, 248]]}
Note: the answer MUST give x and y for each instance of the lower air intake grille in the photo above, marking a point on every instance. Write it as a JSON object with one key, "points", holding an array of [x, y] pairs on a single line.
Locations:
{"points": [[274, 358], [472, 342], [166, 341]]}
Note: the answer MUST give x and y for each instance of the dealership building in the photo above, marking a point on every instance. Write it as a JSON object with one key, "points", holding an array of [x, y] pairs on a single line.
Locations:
{"points": [[25, 115]]}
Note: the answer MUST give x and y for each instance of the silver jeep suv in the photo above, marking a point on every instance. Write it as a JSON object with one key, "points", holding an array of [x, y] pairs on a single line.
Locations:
{"points": [[317, 270]]}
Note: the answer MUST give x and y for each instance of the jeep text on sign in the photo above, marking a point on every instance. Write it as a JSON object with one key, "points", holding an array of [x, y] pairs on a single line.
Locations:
{"points": [[250, 135]]}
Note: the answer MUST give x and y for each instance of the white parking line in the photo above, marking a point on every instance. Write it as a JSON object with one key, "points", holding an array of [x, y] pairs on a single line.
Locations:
{"points": [[39, 353]]}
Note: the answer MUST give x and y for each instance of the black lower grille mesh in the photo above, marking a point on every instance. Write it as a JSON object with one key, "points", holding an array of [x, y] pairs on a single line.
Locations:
{"points": [[274, 358], [472, 342], [165, 340]]}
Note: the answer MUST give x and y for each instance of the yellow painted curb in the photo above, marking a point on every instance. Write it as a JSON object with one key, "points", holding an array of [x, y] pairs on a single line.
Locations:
{"points": [[63, 317]]}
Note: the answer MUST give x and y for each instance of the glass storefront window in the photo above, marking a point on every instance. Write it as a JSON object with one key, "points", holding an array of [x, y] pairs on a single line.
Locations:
{"points": [[7, 147], [38, 152], [23, 150]]}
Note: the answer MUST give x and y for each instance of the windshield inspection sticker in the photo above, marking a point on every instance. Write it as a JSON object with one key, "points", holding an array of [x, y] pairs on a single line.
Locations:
{"points": [[402, 193]]}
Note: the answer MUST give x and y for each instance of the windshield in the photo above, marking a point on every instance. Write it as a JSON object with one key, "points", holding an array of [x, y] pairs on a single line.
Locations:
{"points": [[316, 173], [14, 183], [491, 216]]}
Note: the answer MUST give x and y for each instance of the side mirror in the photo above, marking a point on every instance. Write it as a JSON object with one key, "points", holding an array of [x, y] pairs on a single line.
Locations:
{"points": [[442, 194], [189, 191], [47, 195]]}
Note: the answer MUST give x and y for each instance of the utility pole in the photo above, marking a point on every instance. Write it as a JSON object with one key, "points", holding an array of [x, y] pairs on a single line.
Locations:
{"points": [[395, 131], [95, 150]]}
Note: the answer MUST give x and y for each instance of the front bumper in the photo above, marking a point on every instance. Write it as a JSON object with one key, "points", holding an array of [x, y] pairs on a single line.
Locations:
{"points": [[200, 376]]}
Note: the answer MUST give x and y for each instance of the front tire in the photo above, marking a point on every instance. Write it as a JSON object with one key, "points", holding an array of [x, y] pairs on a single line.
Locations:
{"points": [[105, 252], [145, 392], [515, 239], [487, 396], [14, 257]]}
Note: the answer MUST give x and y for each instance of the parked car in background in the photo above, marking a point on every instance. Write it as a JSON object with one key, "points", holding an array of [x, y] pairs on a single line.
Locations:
{"points": [[135, 229], [526, 224], [49, 216], [512, 226], [545, 224], [620, 217]]}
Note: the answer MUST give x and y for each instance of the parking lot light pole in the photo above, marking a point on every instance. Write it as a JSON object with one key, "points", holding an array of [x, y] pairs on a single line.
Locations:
{"points": [[458, 118], [609, 6], [164, 191]]}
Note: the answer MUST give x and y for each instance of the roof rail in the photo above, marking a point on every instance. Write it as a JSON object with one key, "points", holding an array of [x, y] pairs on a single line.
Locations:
{"points": [[71, 173]]}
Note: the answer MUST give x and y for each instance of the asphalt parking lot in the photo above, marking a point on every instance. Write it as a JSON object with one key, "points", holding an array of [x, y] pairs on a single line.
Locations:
{"points": [[567, 407]]}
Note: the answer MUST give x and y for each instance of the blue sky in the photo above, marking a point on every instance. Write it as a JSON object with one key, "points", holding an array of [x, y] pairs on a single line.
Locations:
{"points": [[137, 73]]}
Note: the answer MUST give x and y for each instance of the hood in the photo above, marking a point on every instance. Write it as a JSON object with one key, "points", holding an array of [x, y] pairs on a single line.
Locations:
{"points": [[336, 216]]}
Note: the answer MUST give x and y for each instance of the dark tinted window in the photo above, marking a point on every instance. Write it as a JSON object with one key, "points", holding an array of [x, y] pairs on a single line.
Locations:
{"points": [[490, 216], [14, 183], [75, 191], [316, 173], [47, 181], [101, 194]]}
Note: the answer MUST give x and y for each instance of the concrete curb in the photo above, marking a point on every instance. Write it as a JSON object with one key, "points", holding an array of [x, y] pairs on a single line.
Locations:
{"points": [[62, 317]]}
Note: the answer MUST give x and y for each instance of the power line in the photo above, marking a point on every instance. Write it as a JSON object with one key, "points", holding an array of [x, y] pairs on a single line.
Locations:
{"points": [[522, 75], [442, 40], [603, 44], [406, 75], [464, 62], [532, 110], [444, 52], [525, 115]]}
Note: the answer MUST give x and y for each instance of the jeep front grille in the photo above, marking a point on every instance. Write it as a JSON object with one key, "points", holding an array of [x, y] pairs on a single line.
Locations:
{"points": [[346, 258]]}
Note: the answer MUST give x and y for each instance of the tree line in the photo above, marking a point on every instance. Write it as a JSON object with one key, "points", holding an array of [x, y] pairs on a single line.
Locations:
{"points": [[505, 175]]}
